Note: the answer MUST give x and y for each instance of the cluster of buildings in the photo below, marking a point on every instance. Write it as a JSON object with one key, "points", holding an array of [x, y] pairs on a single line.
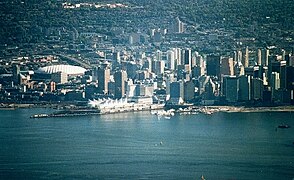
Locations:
{"points": [[175, 76], [131, 51]]}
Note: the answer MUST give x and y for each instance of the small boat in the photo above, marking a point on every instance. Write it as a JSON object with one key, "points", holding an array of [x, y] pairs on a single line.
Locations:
{"points": [[283, 126], [39, 116]]}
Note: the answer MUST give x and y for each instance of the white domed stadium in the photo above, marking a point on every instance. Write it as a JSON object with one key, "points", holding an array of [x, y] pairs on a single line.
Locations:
{"points": [[68, 69]]}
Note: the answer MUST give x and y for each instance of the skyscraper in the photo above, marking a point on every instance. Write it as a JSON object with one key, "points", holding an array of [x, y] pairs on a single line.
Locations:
{"points": [[158, 67], [257, 89], [169, 79], [213, 65], [176, 92], [280, 67], [170, 56], [283, 74], [258, 57], [158, 55], [103, 77], [177, 52], [189, 89], [231, 88], [120, 78], [275, 81], [116, 57], [244, 88], [227, 66], [187, 59], [246, 58], [177, 26], [264, 57], [239, 69]]}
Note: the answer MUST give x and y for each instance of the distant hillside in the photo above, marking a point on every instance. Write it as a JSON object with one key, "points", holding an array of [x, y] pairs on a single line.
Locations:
{"points": [[27, 20]]}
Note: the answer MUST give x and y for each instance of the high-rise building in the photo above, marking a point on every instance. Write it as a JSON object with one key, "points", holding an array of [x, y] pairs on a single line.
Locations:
{"points": [[235, 56], [280, 67], [264, 75], [147, 64], [131, 67], [290, 82], [158, 55], [283, 74], [198, 61], [169, 79], [187, 59], [176, 92], [257, 89], [116, 57], [271, 60], [103, 77], [120, 78], [283, 54], [177, 26], [170, 56], [264, 57], [287, 59], [202, 81], [210, 89], [258, 57], [111, 87], [246, 58], [258, 72], [178, 56], [239, 69], [158, 67], [213, 65], [227, 66], [275, 81], [244, 88], [291, 60], [189, 89], [231, 88]]}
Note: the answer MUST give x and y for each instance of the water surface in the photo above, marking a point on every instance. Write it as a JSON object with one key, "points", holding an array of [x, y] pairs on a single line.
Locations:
{"points": [[141, 146]]}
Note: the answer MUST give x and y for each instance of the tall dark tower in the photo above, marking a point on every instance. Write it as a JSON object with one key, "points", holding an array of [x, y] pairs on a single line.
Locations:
{"points": [[213, 65], [120, 77], [283, 73], [187, 59]]}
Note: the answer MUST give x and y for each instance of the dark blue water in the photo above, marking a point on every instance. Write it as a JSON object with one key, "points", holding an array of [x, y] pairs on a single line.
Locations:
{"points": [[128, 146]]}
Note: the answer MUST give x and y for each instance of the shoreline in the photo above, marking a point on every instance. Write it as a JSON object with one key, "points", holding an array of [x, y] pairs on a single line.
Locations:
{"points": [[192, 108], [235, 109], [12, 106]]}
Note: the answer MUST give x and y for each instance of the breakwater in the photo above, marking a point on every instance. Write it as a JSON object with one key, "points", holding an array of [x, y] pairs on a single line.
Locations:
{"points": [[130, 107]]}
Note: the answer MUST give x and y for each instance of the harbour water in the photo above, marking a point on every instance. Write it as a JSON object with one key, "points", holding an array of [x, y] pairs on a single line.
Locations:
{"points": [[141, 146]]}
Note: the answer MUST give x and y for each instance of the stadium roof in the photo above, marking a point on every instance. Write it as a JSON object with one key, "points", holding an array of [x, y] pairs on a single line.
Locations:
{"points": [[68, 69]]}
